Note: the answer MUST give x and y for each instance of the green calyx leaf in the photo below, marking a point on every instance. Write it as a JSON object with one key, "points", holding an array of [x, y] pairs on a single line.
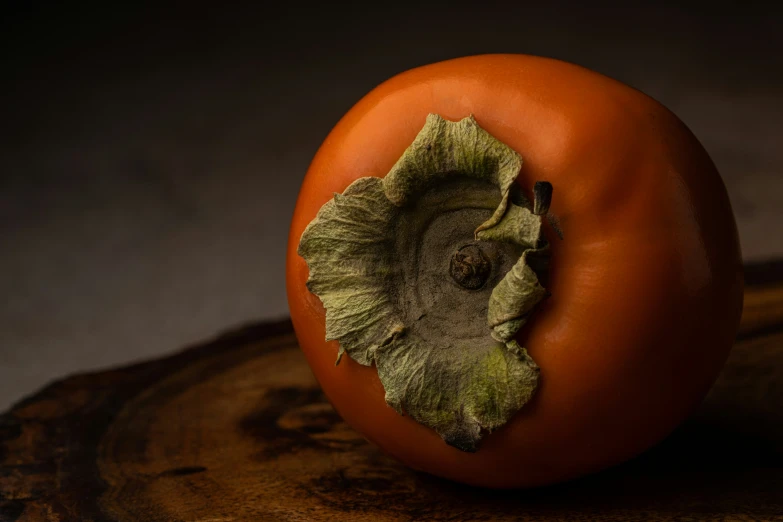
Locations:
{"points": [[379, 256]]}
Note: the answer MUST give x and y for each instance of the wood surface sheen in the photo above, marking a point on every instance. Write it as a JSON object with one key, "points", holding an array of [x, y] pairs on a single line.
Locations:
{"points": [[646, 286], [237, 429]]}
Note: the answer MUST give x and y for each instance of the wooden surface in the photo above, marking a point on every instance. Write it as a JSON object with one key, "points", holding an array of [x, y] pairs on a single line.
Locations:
{"points": [[237, 430]]}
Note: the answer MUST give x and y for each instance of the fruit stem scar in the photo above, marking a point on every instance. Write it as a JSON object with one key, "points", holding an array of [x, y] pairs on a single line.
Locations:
{"points": [[470, 267]]}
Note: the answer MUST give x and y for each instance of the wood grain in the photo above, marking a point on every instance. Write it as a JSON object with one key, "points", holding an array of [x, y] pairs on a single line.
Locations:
{"points": [[237, 429]]}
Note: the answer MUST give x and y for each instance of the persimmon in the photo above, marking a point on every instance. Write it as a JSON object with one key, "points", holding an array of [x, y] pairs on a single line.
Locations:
{"points": [[511, 271]]}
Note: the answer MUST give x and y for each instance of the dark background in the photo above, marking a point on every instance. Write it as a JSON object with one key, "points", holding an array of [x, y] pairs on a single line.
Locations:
{"points": [[151, 157]]}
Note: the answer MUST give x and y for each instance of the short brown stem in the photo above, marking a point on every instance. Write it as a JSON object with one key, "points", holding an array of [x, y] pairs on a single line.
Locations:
{"points": [[470, 267]]}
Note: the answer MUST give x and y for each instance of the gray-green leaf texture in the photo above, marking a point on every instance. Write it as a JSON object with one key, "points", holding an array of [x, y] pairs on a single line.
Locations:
{"points": [[460, 387]]}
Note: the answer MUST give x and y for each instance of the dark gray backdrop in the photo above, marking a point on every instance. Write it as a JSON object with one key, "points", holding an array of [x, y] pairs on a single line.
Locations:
{"points": [[151, 157]]}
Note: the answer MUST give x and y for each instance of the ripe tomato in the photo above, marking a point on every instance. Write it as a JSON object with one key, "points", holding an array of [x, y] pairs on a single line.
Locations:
{"points": [[646, 286]]}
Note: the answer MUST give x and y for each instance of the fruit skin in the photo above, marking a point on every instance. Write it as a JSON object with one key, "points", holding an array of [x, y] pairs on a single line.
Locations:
{"points": [[646, 284]]}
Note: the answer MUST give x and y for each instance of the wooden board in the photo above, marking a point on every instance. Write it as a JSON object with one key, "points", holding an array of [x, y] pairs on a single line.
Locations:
{"points": [[237, 430]]}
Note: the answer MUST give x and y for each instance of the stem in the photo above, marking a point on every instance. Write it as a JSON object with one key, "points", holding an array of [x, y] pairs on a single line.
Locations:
{"points": [[470, 267]]}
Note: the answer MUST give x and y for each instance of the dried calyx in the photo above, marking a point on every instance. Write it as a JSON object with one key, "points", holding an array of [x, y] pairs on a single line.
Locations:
{"points": [[427, 273]]}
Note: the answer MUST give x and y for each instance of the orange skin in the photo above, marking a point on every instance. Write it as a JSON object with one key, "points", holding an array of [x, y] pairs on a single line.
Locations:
{"points": [[646, 286]]}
